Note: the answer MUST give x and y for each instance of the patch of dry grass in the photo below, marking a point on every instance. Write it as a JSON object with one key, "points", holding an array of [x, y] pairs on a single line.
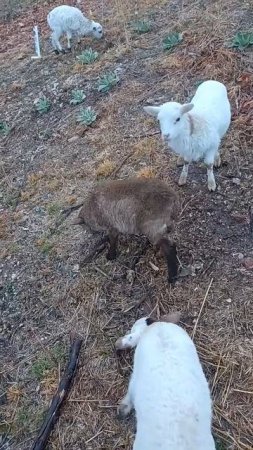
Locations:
{"points": [[100, 301]]}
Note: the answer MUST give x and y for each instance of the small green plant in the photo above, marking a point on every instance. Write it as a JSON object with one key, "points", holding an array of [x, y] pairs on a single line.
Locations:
{"points": [[78, 96], [86, 116], [242, 40], [53, 209], [4, 128], [41, 367], [141, 26], [172, 40], [107, 82], [49, 361], [88, 56], [43, 105], [45, 246]]}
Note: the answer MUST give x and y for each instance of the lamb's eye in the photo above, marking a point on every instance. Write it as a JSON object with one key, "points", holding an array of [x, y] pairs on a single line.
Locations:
{"points": [[94, 28], [177, 120]]}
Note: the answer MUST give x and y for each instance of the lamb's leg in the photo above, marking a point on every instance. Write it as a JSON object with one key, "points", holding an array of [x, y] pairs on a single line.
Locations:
{"points": [[209, 162], [169, 250], [217, 160], [126, 404], [56, 42], [210, 178], [113, 242], [69, 37], [184, 174], [180, 161]]}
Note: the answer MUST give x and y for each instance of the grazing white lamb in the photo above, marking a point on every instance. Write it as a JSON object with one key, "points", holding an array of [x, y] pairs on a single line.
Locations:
{"points": [[196, 136], [167, 389], [70, 20]]}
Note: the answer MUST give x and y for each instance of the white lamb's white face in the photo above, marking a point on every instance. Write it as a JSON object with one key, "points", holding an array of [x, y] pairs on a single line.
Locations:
{"points": [[169, 116], [97, 30], [131, 339]]}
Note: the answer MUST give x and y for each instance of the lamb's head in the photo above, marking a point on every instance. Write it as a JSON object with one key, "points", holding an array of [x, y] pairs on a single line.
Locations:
{"points": [[131, 339], [171, 118], [96, 30]]}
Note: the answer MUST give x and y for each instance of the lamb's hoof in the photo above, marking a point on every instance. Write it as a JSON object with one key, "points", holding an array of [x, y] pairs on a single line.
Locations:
{"points": [[111, 256], [180, 161], [217, 162], [182, 181], [56, 52], [211, 186], [123, 410]]}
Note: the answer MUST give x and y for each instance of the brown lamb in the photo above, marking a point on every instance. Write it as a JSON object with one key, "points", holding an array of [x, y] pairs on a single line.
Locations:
{"points": [[134, 206]]}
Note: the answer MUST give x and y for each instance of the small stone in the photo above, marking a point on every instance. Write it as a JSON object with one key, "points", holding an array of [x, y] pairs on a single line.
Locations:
{"points": [[76, 268], [228, 300], [248, 263], [22, 56], [236, 181], [73, 138], [239, 218]]}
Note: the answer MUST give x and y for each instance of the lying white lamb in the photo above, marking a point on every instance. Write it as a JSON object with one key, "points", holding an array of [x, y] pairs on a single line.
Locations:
{"points": [[196, 136], [70, 20], [167, 389]]}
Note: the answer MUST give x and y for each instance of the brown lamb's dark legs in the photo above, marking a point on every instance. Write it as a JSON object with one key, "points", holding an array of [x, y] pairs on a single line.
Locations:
{"points": [[113, 243], [169, 250]]}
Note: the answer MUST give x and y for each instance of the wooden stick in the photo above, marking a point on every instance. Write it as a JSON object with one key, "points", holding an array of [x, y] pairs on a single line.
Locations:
{"points": [[59, 397], [201, 309], [251, 221]]}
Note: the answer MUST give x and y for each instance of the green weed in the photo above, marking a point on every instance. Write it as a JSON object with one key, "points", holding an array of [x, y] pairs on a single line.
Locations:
{"points": [[78, 96], [107, 82], [141, 26], [86, 116], [172, 40], [242, 40], [88, 56], [43, 105]]}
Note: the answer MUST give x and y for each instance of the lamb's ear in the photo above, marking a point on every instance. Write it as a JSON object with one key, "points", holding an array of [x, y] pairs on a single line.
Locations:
{"points": [[152, 110], [173, 317], [186, 108], [149, 321]]}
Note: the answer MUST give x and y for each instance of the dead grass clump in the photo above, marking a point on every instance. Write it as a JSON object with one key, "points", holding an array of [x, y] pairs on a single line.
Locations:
{"points": [[105, 168], [145, 146], [220, 64], [146, 172]]}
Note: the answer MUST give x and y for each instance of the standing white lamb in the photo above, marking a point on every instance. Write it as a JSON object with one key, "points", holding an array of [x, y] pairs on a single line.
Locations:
{"points": [[70, 20], [167, 389], [196, 136]]}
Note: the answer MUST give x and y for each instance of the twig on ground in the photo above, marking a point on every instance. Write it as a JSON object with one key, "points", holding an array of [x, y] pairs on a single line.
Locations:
{"points": [[251, 221], [132, 136], [117, 169], [201, 309], [59, 397]]}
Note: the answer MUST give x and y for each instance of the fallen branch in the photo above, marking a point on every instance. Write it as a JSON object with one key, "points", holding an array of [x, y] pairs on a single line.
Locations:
{"points": [[117, 169], [201, 309], [59, 397], [251, 221], [143, 135]]}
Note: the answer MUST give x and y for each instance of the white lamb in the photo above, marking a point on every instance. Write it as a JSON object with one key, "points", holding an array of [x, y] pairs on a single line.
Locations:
{"points": [[167, 389], [196, 136], [70, 20]]}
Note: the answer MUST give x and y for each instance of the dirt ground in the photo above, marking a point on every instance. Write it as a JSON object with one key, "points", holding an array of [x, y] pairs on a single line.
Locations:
{"points": [[48, 163]]}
